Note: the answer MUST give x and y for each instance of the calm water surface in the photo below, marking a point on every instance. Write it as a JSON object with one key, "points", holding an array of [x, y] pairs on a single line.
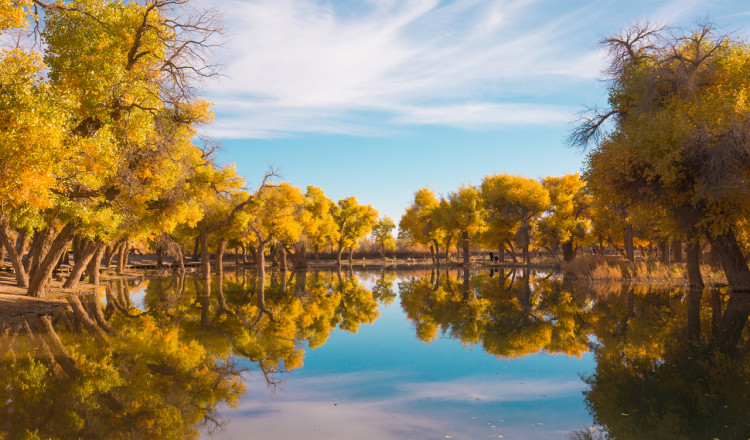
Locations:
{"points": [[381, 355]]}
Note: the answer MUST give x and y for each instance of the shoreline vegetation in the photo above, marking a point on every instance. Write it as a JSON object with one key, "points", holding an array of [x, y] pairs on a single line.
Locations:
{"points": [[589, 269]]}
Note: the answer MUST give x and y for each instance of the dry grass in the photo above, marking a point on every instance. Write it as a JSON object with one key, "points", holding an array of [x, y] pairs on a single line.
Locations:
{"points": [[598, 267], [603, 268]]}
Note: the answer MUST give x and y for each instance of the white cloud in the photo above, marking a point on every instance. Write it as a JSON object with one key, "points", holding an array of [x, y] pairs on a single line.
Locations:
{"points": [[300, 66]]}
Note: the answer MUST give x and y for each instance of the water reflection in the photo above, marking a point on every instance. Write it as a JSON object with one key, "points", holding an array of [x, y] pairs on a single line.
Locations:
{"points": [[509, 315], [155, 358], [673, 367]]}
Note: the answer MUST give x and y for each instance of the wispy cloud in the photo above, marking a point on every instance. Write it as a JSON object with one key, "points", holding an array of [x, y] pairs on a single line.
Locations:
{"points": [[297, 66], [368, 67]]}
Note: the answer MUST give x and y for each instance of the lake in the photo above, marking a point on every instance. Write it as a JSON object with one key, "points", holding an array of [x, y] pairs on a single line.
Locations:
{"points": [[381, 355]]}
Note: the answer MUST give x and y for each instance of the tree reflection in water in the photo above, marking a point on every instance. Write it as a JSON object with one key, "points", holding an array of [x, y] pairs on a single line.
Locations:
{"points": [[670, 363], [108, 369], [692, 381]]}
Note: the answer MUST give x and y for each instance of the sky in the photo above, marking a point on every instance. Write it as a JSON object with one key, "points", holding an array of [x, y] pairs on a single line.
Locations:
{"points": [[378, 98]]}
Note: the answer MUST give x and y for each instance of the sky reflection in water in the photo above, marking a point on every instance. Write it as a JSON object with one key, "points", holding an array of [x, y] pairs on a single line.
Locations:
{"points": [[384, 383]]}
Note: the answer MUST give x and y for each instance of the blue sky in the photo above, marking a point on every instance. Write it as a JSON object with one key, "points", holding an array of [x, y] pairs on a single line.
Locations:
{"points": [[378, 98]]}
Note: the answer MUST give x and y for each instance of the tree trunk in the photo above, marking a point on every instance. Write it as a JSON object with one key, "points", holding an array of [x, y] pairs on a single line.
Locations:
{"points": [[629, 253], [664, 251], [677, 251], [40, 245], [260, 260], [301, 252], [351, 253], [86, 251], [526, 243], [437, 252], [729, 254], [39, 282], [695, 279], [77, 246], [122, 257], [109, 255], [220, 249], [448, 249], [465, 245], [196, 248], [338, 255], [2, 254], [568, 251], [159, 257], [22, 277], [180, 258], [95, 264], [512, 252]]}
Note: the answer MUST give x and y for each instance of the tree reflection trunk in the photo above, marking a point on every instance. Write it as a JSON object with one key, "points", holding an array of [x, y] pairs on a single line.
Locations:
{"points": [[466, 287], [733, 322], [694, 314]]}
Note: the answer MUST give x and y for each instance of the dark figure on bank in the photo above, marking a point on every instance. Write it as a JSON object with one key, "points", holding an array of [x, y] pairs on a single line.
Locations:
{"points": [[492, 258]]}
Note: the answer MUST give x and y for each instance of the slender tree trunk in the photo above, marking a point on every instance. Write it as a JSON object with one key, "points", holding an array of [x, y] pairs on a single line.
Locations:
{"points": [[664, 250], [95, 264], [526, 243], [512, 252], [2, 254], [122, 257], [86, 251], [159, 257], [180, 259], [338, 255], [220, 250], [465, 244], [448, 249], [39, 282], [260, 260], [677, 251], [351, 252], [196, 248], [22, 277], [629, 253]]}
